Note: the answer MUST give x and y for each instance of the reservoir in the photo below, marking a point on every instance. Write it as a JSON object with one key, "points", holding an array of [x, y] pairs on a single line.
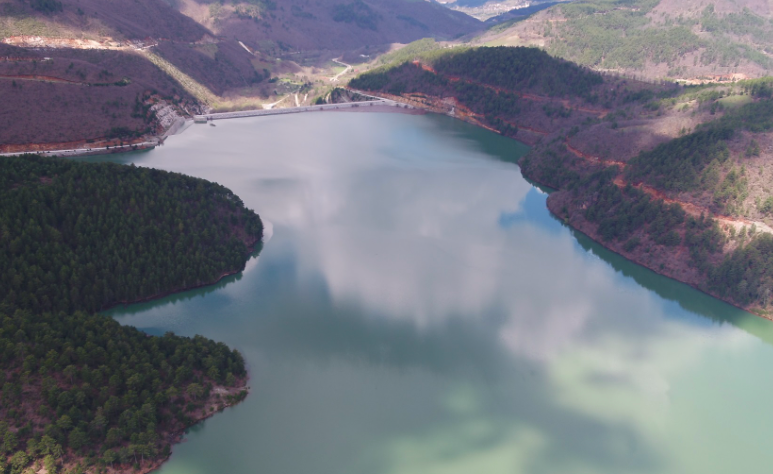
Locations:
{"points": [[417, 310]]}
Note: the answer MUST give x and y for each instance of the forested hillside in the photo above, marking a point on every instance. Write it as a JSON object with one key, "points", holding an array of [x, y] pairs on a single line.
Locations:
{"points": [[525, 69], [653, 38], [79, 391], [717, 232], [673, 177], [496, 85], [81, 236]]}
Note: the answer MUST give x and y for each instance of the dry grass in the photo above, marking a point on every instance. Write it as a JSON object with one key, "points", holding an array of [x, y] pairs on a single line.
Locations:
{"points": [[44, 112]]}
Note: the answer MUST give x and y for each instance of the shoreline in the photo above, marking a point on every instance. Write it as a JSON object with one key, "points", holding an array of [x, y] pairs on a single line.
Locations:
{"points": [[83, 150], [554, 212], [629, 258], [214, 404], [663, 274], [383, 109], [181, 125], [250, 251]]}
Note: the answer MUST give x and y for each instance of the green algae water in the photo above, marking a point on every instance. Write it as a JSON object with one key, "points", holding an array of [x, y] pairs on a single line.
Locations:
{"points": [[416, 309]]}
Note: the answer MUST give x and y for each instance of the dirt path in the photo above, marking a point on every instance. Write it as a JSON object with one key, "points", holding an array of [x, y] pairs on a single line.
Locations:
{"points": [[39, 78], [600, 113], [690, 208], [591, 158], [346, 69], [696, 211], [271, 106]]}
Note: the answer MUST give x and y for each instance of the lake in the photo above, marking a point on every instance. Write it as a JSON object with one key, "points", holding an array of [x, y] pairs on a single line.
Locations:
{"points": [[416, 309]]}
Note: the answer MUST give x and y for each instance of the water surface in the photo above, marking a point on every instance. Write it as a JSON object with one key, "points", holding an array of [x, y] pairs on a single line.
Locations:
{"points": [[417, 310]]}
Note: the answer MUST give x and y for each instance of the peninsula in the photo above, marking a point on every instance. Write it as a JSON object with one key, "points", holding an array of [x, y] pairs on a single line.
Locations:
{"points": [[80, 392]]}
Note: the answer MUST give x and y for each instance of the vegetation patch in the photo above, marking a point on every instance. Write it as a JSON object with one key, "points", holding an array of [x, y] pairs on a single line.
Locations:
{"points": [[46, 6], [79, 391], [746, 275], [520, 68], [357, 12], [85, 237], [625, 35]]}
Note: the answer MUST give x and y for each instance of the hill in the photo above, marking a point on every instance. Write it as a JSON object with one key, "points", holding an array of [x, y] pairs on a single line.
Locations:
{"points": [[265, 26], [92, 74], [74, 97], [672, 177], [691, 40], [493, 11], [97, 20], [335, 25], [81, 392]]}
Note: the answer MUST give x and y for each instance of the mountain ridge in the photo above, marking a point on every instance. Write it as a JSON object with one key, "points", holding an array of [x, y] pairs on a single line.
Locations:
{"points": [[693, 40]]}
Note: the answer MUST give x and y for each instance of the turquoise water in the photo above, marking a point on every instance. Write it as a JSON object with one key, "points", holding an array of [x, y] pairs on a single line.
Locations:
{"points": [[417, 310]]}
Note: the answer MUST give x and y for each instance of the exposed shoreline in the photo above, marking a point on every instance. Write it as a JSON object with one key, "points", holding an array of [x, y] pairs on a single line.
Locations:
{"points": [[552, 207], [408, 109], [108, 147], [384, 109], [590, 235]]}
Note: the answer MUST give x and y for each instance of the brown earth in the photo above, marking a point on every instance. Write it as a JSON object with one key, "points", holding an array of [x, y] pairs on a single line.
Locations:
{"points": [[218, 66], [275, 28], [230, 50], [213, 405], [299, 25], [585, 142], [220, 397], [57, 97]]}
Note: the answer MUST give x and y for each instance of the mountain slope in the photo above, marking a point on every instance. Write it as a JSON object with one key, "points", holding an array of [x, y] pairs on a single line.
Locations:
{"points": [[191, 53], [262, 24], [97, 19], [672, 177], [337, 25], [91, 97], [692, 39]]}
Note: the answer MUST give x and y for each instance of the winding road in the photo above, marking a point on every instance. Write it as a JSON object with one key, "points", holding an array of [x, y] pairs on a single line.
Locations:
{"points": [[335, 79]]}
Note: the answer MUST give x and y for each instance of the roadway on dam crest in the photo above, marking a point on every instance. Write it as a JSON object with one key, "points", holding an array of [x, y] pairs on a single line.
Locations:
{"points": [[295, 110]]}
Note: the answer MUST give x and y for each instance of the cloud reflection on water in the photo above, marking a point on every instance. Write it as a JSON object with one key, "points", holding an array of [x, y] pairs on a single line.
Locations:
{"points": [[395, 325]]}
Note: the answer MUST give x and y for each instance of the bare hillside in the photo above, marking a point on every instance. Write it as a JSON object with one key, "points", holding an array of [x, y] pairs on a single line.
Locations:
{"points": [[79, 95]]}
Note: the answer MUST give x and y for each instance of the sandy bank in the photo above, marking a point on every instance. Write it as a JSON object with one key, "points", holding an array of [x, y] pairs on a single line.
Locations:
{"points": [[385, 109]]}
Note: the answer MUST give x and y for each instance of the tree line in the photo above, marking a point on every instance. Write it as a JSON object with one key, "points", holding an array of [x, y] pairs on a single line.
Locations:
{"points": [[522, 69], [77, 236], [78, 390]]}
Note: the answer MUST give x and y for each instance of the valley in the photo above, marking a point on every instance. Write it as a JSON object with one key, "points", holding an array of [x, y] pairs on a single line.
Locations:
{"points": [[421, 294]]}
